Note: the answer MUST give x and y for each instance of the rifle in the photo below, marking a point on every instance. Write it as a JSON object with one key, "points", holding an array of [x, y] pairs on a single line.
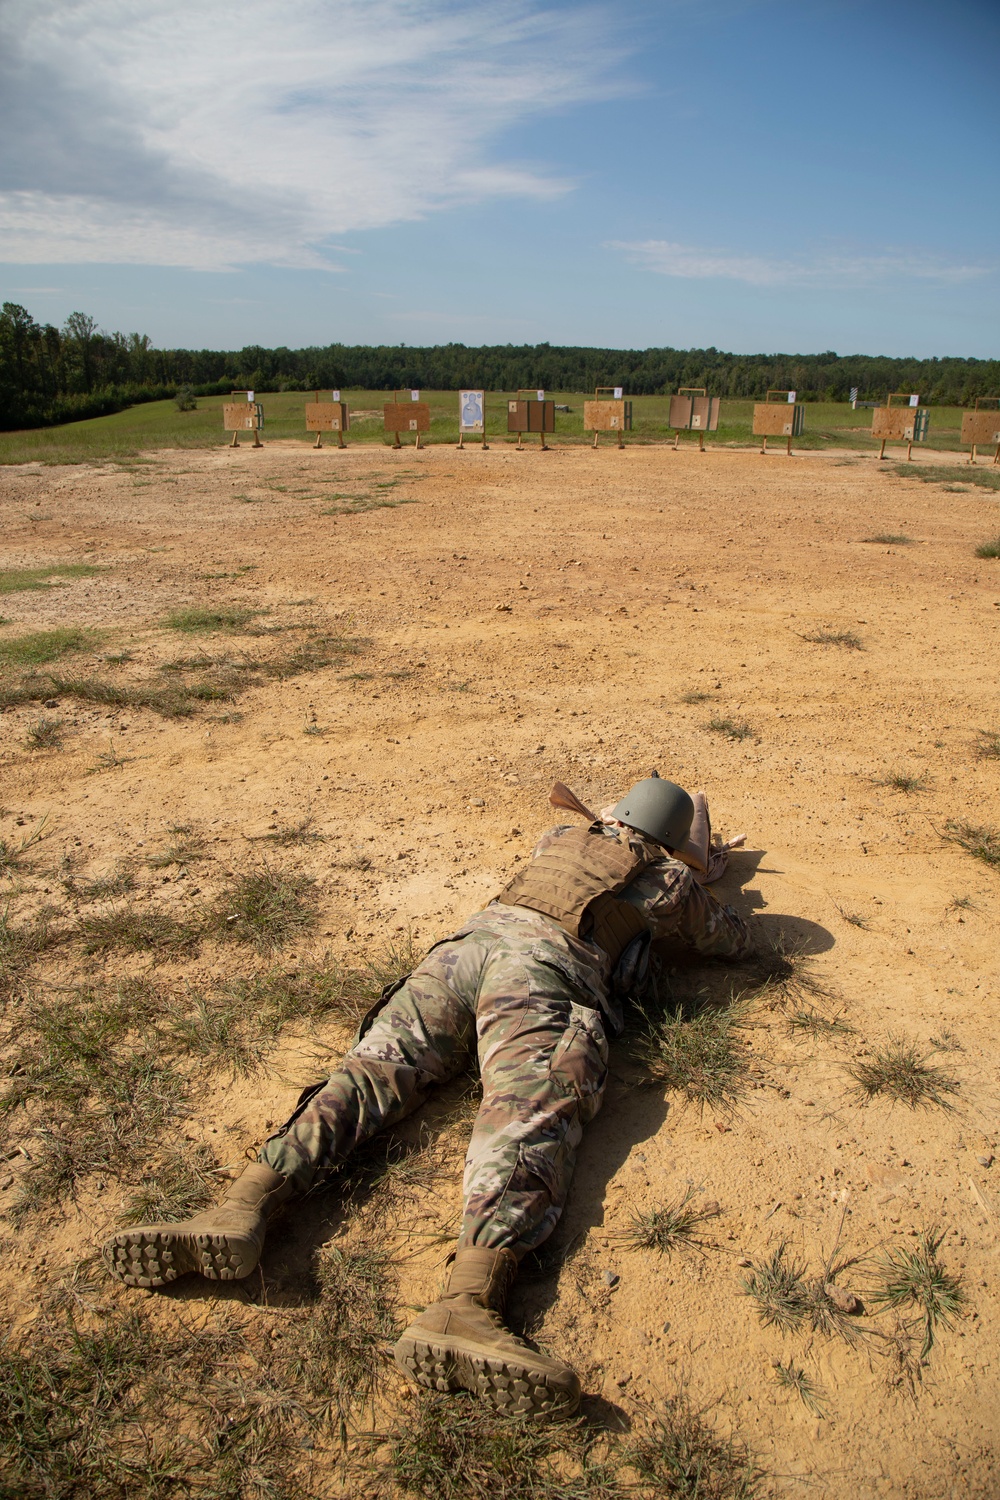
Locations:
{"points": [[706, 857]]}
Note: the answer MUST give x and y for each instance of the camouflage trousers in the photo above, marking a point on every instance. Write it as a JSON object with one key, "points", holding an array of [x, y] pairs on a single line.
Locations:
{"points": [[505, 987]]}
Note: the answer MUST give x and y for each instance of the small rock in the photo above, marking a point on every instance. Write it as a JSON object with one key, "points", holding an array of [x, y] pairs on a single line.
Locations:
{"points": [[843, 1300], [623, 1381], [611, 1278], [985, 1161], [51, 703], [666, 1328], [744, 1260], [504, 609], [710, 1209], [476, 802], [8, 1182]]}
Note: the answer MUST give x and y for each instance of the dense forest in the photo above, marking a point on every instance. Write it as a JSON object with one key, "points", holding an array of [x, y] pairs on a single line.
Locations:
{"points": [[50, 375]]}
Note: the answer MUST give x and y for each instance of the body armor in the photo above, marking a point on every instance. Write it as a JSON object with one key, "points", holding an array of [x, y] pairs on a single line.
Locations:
{"points": [[576, 881]]}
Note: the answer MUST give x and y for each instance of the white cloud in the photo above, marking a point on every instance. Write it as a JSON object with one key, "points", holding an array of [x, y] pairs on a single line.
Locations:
{"points": [[688, 262], [202, 135]]}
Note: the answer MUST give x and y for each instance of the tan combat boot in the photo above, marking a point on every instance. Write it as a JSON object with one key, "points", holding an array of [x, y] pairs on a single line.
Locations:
{"points": [[223, 1243], [461, 1343]]}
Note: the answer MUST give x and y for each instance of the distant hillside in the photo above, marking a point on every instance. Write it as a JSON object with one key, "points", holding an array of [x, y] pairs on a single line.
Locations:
{"points": [[50, 375]]}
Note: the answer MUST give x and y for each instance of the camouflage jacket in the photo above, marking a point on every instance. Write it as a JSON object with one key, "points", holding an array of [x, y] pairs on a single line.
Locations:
{"points": [[676, 908]]}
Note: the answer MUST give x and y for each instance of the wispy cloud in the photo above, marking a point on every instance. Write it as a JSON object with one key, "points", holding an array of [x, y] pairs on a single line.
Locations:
{"points": [[688, 262], [197, 135]]}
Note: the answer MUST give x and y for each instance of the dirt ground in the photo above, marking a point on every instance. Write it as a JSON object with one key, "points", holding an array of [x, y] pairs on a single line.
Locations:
{"points": [[532, 617]]}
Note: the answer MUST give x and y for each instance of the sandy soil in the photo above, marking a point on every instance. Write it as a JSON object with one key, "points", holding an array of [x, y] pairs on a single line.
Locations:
{"points": [[545, 616]]}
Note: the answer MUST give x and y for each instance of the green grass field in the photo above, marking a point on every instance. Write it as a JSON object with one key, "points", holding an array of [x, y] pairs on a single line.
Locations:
{"points": [[159, 424]]}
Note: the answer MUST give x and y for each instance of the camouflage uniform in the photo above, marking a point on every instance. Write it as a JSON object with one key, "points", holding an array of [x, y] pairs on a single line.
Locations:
{"points": [[536, 1004]]}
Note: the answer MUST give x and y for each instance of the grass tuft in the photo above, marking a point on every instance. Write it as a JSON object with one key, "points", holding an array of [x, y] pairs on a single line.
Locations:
{"points": [[264, 907], [733, 729], [45, 734], [778, 1287], [989, 549], [915, 1278], [812, 1022], [678, 1454], [674, 1227], [988, 747], [137, 929], [21, 580], [13, 856], [981, 841], [699, 1052], [793, 1379], [889, 539], [985, 478], [898, 1071], [41, 646], [176, 1187], [848, 639], [103, 887], [198, 621], [902, 781]]}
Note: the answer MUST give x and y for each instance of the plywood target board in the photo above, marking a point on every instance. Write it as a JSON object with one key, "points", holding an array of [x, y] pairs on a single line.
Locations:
{"points": [[240, 416], [531, 416], [327, 416], [776, 419], [981, 427], [406, 416], [694, 413], [607, 416], [894, 422]]}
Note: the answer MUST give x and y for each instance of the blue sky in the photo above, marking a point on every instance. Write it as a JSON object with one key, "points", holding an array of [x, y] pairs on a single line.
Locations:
{"points": [[757, 175]]}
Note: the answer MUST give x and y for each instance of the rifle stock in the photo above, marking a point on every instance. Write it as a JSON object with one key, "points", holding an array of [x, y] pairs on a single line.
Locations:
{"points": [[561, 796]]}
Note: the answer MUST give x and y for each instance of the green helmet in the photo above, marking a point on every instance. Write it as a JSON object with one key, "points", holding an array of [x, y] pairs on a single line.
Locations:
{"points": [[660, 809]]}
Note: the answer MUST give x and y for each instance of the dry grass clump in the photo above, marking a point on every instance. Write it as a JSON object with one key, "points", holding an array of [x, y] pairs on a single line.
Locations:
{"points": [[20, 580], [201, 621], [20, 944], [103, 887], [979, 840], [454, 1448], [900, 1072], [988, 746], [789, 1299], [675, 1226], [889, 539], [13, 853], [848, 639], [914, 1277], [41, 646], [264, 908], [700, 1053], [733, 729], [137, 929], [45, 734], [795, 1379], [175, 1186], [902, 781], [989, 549]]}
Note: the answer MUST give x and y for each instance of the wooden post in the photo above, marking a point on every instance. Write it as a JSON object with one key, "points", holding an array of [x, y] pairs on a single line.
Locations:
{"points": [[881, 451], [319, 440], [972, 457], [788, 449], [418, 439], [677, 438], [596, 435], [520, 445], [236, 440], [764, 448], [996, 456], [621, 437], [461, 439], [909, 452], [701, 442]]}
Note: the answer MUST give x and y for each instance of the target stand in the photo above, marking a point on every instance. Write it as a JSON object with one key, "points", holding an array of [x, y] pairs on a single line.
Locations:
{"points": [[471, 417], [532, 414], [328, 416], [900, 424], [981, 428], [608, 416], [778, 416], [406, 416], [693, 410], [243, 416]]}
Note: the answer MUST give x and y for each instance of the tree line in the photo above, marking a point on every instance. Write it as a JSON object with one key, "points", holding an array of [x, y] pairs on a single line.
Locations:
{"points": [[50, 375]]}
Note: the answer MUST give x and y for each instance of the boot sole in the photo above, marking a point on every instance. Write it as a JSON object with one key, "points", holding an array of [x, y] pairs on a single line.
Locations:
{"points": [[509, 1384], [158, 1254]]}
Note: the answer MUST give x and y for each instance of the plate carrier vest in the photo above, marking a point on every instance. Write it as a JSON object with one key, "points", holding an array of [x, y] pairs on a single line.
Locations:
{"points": [[576, 881]]}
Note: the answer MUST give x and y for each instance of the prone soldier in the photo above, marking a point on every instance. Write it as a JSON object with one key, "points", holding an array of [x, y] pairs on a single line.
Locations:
{"points": [[532, 986]]}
